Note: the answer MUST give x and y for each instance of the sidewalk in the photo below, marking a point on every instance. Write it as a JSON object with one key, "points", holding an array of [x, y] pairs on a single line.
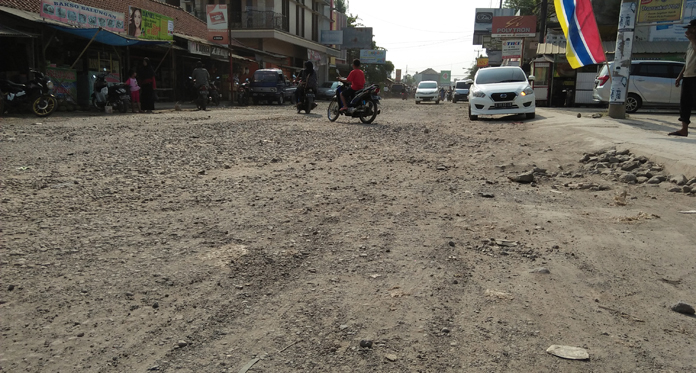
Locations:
{"points": [[642, 133]]}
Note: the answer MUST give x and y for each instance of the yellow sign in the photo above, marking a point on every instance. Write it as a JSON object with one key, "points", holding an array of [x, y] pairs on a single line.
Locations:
{"points": [[482, 62], [660, 10]]}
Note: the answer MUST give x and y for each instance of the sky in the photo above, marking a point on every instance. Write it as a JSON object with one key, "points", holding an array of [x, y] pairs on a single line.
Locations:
{"points": [[418, 35]]}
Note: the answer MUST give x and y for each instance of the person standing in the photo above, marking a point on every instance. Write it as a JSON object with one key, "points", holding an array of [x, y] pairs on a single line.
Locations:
{"points": [[134, 92], [687, 81], [146, 74]]}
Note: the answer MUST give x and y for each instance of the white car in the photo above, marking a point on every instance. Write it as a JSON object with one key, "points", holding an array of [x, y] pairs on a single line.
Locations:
{"points": [[501, 90], [427, 91]]}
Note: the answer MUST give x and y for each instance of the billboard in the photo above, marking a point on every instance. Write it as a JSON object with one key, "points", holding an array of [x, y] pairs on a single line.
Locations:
{"points": [[398, 75], [660, 11], [144, 24], [445, 77], [82, 16], [482, 62], [329, 37], [357, 38], [516, 27], [512, 48], [483, 22], [216, 16], [671, 32], [371, 56]]}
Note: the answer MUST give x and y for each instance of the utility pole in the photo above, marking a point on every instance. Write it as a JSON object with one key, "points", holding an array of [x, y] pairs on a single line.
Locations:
{"points": [[542, 24], [620, 71]]}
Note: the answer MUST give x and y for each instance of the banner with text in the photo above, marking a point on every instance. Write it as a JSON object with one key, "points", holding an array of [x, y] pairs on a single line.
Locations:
{"points": [[144, 24], [512, 48], [329, 37], [82, 16], [660, 10], [482, 62], [373, 57], [516, 27], [217, 23]]}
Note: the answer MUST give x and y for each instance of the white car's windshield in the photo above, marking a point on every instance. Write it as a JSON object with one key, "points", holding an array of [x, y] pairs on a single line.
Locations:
{"points": [[427, 85], [489, 76]]}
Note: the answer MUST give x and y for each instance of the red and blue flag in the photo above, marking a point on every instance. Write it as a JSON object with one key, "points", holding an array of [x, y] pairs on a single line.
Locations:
{"points": [[584, 45]]}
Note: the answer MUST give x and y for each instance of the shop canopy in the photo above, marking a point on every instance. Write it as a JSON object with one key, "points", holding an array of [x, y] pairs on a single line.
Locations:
{"points": [[107, 37]]}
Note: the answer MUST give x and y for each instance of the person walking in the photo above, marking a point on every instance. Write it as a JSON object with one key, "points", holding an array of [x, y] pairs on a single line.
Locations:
{"points": [[687, 81], [147, 86]]}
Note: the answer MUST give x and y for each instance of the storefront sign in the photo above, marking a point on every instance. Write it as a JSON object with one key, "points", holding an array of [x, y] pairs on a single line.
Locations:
{"points": [[483, 21], [144, 24], [674, 32], [217, 23], [329, 37], [660, 10], [313, 55], [219, 52], [512, 49], [371, 56], [518, 27], [82, 16], [65, 82], [494, 44], [198, 48], [482, 62]]}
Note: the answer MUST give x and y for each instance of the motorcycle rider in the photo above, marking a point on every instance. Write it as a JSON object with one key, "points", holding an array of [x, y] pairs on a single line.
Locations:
{"points": [[200, 76], [309, 77], [357, 80]]}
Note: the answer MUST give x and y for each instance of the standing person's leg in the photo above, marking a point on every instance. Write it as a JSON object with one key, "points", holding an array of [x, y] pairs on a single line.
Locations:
{"points": [[686, 103]]}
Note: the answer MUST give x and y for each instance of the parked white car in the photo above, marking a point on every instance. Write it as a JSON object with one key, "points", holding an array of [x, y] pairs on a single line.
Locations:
{"points": [[427, 90], [651, 83], [501, 90]]}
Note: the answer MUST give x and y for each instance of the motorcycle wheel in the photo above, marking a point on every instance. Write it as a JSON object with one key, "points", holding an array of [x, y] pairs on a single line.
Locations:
{"points": [[44, 106], [370, 113], [124, 105], [332, 111]]}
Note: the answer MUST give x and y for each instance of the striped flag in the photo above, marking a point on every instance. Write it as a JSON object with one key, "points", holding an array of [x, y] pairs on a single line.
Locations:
{"points": [[584, 46]]}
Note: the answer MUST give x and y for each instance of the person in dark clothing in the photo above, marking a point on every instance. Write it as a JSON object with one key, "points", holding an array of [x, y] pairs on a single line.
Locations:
{"points": [[146, 77], [309, 77]]}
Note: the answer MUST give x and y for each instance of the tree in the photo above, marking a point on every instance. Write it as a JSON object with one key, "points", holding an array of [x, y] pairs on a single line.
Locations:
{"points": [[340, 6], [471, 72]]}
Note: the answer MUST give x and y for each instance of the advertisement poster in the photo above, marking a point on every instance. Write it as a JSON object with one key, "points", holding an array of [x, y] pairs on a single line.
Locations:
{"points": [[517, 27], [64, 82], [660, 10], [445, 77], [329, 37], [371, 56], [217, 23], [671, 32], [82, 16], [482, 62], [144, 24], [512, 49], [398, 75]]}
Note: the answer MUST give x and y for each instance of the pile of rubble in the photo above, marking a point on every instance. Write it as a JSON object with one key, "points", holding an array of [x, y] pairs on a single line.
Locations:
{"points": [[632, 169]]}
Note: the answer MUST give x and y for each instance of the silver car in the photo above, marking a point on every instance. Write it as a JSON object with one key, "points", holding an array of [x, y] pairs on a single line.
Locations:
{"points": [[651, 84]]}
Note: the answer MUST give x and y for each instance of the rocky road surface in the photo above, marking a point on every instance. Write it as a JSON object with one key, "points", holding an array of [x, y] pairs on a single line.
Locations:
{"points": [[257, 239]]}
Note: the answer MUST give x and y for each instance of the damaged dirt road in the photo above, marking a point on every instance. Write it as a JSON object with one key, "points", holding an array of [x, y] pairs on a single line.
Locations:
{"points": [[259, 239]]}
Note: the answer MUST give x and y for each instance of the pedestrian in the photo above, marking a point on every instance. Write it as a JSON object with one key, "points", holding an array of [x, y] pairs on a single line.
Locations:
{"points": [[146, 75], [687, 81], [132, 82]]}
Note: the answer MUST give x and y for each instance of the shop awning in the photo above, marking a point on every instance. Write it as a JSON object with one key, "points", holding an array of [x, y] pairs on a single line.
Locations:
{"points": [[107, 37], [12, 33]]}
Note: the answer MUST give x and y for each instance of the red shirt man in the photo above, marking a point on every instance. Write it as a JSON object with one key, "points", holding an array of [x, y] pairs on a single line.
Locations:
{"points": [[357, 82]]}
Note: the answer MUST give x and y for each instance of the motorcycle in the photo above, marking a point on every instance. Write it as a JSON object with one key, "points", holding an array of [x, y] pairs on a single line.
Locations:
{"points": [[35, 94], [214, 92], [243, 93], [115, 95], [404, 95], [306, 103], [365, 104]]}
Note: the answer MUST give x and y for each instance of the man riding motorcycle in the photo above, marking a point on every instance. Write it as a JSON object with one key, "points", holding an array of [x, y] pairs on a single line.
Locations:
{"points": [[308, 80], [200, 75]]}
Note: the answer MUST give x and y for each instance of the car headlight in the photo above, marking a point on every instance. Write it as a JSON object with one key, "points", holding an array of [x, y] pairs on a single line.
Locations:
{"points": [[527, 91], [477, 93]]}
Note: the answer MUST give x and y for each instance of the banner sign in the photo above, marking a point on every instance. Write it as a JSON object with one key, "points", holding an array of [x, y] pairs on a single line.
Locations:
{"points": [[313, 55], [660, 10], [371, 56], [219, 52], [493, 44], [482, 62], [518, 27], [512, 49], [445, 77], [198, 48], [398, 75], [65, 82], [357, 38], [217, 23], [82, 16], [144, 24], [329, 37]]}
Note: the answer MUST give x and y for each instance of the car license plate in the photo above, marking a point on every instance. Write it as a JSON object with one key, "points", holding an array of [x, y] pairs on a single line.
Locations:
{"points": [[503, 105]]}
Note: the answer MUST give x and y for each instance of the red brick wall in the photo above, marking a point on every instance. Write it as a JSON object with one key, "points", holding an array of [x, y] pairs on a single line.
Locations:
{"points": [[184, 23]]}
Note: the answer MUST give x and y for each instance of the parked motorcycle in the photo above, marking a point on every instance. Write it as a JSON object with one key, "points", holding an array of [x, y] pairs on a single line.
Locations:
{"points": [[115, 95], [214, 92], [365, 104], [35, 94], [243, 93]]}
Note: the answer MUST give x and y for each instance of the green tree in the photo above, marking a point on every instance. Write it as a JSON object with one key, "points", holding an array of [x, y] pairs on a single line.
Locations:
{"points": [[471, 72], [340, 6]]}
